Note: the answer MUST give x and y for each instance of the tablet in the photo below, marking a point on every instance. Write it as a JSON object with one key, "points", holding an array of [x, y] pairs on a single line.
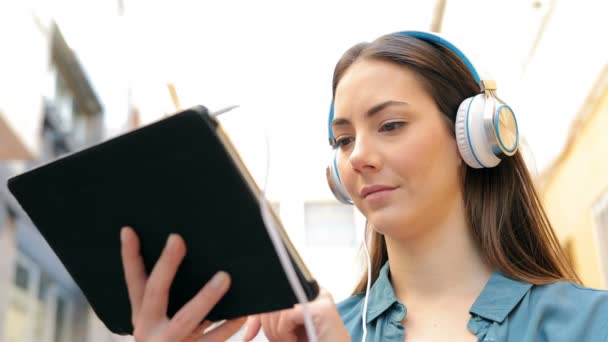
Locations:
{"points": [[179, 175]]}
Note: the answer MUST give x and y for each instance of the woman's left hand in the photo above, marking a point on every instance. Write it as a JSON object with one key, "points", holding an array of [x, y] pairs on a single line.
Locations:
{"points": [[288, 325]]}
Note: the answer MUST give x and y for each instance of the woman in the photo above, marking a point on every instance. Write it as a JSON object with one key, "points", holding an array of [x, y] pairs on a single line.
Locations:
{"points": [[461, 249], [459, 252]]}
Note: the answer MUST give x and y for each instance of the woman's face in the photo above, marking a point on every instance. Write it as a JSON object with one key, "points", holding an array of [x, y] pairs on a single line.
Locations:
{"points": [[398, 159]]}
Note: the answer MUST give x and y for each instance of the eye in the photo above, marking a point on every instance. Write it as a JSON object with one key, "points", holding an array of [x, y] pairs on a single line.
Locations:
{"points": [[343, 141], [391, 126]]}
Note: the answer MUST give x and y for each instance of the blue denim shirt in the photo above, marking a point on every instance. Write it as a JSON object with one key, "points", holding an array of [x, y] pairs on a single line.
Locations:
{"points": [[506, 310]]}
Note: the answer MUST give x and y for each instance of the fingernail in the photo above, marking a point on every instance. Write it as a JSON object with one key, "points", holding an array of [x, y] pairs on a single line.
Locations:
{"points": [[218, 280], [123, 234], [171, 240]]}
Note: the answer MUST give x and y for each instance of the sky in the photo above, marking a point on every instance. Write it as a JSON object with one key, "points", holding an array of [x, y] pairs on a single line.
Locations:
{"points": [[275, 60]]}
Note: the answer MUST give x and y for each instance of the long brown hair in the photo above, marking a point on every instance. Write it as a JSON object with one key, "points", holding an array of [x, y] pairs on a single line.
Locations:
{"points": [[503, 208]]}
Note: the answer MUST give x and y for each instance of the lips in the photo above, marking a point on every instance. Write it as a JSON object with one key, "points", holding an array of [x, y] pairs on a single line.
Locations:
{"points": [[370, 189]]}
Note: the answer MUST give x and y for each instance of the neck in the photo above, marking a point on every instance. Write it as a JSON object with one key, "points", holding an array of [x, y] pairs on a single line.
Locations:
{"points": [[443, 261]]}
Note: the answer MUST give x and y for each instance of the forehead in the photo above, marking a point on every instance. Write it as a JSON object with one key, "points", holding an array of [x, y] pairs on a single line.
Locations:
{"points": [[368, 82]]}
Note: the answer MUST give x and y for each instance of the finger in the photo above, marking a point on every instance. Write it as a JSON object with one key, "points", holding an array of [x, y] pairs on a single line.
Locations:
{"points": [[200, 330], [271, 324], [267, 327], [189, 316], [295, 317], [287, 325], [324, 294], [321, 311], [253, 327], [275, 319], [133, 266], [322, 303], [224, 331], [156, 294]]}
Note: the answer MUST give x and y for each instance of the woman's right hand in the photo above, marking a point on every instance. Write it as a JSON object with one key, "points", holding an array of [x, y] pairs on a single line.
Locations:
{"points": [[149, 296], [288, 324]]}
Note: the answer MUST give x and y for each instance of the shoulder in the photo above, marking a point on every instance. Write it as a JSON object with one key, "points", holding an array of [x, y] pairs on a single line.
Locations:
{"points": [[564, 293], [580, 311]]}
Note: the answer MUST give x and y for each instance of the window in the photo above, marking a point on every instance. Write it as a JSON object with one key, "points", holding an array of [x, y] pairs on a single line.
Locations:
{"points": [[20, 310], [600, 215], [58, 115], [22, 276], [64, 104], [60, 321], [39, 308], [329, 223], [46, 282], [67, 124]]}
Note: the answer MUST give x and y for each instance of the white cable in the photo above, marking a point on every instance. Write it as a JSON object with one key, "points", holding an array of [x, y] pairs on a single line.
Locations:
{"points": [[369, 281], [277, 242]]}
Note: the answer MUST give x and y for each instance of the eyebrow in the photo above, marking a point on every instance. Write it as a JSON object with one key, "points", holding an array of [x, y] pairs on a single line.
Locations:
{"points": [[370, 112]]}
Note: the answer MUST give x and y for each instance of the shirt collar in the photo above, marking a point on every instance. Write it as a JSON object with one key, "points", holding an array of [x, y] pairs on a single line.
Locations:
{"points": [[499, 297], [381, 295]]}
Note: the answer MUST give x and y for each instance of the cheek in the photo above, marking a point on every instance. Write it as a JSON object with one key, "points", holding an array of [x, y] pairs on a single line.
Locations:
{"points": [[418, 157], [347, 175], [431, 161]]}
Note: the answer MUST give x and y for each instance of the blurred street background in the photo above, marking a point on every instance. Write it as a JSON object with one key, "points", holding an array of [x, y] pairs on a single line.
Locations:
{"points": [[74, 73]]}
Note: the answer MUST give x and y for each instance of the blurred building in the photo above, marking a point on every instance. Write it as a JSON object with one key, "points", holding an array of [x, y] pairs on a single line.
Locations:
{"points": [[48, 107], [575, 189]]}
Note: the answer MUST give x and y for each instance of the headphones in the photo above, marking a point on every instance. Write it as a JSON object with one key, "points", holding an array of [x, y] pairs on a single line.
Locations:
{"points": [[486, 127]]}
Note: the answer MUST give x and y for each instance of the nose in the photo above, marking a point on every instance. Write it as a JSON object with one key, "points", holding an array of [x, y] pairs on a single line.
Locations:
{"points": [[364, 156]]}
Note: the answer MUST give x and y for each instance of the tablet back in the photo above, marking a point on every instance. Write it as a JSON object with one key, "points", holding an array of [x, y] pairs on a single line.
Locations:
{"points": [[172, 176]]}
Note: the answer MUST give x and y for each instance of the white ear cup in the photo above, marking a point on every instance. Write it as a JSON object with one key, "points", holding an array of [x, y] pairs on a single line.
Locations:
{"points": [[471, 134], [335, 182], [462, 135]]}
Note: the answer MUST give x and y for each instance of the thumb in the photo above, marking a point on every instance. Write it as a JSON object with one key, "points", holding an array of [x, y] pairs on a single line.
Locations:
{"points": [[295, 317]]}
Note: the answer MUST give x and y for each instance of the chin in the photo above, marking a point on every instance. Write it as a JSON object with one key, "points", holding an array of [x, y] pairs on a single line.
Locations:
{"points": [[388, 223], [385, 224]]}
